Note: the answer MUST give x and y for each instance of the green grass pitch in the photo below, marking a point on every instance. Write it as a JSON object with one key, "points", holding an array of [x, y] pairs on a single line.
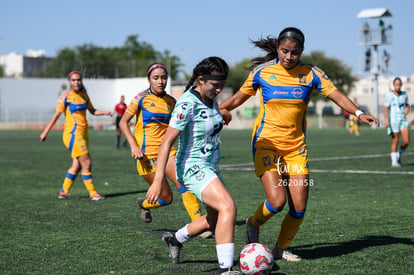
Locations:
{"points": [[359, 218]]}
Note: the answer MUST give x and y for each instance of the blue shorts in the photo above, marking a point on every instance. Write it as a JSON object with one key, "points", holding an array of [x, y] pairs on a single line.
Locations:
{"points": [[197, 179]]}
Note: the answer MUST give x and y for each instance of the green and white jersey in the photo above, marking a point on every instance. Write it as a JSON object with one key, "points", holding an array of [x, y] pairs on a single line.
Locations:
{"points": [[396, 105], [200, 124]]}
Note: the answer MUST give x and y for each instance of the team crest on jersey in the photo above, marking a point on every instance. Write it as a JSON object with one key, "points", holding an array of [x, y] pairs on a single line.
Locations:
{"points": [[302, 78], [200, 175], [266, 161]]}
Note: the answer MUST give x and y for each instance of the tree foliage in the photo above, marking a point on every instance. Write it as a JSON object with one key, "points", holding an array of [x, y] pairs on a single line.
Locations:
{"points": [[238, 74], [339, 73], [130, 60]]}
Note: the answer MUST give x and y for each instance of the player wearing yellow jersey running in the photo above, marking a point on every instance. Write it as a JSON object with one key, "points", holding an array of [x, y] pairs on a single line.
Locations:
{"points": [[279, 147]]}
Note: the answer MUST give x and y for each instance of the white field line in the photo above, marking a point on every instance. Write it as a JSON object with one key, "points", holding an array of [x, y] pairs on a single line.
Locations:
{"points": [[363, 172], [249, 166]]}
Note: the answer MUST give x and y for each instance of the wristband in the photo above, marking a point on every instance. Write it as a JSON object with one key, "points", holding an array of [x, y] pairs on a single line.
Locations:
{"points": [[358, 113]]}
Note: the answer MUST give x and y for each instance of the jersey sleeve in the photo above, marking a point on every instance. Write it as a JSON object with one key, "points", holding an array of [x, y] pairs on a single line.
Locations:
{"points": [[387, 101], [322, 82], [181, 115], [132, 108], [60, 107], [249, 87]]}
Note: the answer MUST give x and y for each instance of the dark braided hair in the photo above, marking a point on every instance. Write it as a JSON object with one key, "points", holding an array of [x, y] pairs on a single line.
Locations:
{"points": [[207, 66], [270, 44]]}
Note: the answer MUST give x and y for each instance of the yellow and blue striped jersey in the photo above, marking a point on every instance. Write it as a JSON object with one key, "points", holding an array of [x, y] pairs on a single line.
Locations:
{"points": [[281, 122], [153, 113], [74, 105]]}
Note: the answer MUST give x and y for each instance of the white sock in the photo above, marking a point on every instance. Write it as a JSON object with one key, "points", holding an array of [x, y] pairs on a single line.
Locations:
{"points": [[225, 254], [182, 235], [394, 157]]}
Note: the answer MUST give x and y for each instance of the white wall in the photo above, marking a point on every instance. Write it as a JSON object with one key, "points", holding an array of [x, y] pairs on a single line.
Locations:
{"points": [[35, 99]]}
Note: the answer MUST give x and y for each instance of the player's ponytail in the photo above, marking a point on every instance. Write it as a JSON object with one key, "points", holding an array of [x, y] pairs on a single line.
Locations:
{"points": [[269, 45]]}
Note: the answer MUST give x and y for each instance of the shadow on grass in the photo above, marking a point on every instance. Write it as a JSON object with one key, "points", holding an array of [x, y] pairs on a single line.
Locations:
{"points": [[327, 250], [110, 195], [119, 194]]}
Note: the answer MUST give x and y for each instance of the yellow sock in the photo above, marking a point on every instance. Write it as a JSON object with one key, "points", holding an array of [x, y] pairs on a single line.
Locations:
{"points": [[192, 205], [148, 205], [87, 180], [68, 182], [262, 214], [289, 228]]}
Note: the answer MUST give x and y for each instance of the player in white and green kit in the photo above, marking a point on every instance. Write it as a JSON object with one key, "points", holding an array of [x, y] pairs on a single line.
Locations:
{"points": [[196, 121], [198, 148], [396, 108]]}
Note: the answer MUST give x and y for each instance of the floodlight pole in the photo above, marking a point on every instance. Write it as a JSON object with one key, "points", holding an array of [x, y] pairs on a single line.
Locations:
{"points": [[375, 37], [377, 69]]}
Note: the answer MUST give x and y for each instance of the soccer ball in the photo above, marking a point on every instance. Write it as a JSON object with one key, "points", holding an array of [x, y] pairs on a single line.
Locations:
{"points": [[256, 258]]}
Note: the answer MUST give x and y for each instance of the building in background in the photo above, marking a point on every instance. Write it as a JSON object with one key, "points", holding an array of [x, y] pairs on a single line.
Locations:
{"points": [[20, 66]]}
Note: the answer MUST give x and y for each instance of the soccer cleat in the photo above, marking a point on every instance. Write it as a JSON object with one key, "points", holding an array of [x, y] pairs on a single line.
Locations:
{"points": [[64, 195], [145, 213], [283, 254], [396, 165], [175, 248], [205, 235], [96, 197], [252, 233]]}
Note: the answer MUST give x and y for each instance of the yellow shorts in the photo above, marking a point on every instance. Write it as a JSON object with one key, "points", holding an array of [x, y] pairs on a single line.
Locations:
{"points": [[148, 164], [76, 144], [283, 162]]}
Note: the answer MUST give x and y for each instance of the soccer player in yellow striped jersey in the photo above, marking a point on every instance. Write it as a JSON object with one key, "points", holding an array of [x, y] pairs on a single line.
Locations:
{"points": [[73, 104], [280, 154], [152, 109]]}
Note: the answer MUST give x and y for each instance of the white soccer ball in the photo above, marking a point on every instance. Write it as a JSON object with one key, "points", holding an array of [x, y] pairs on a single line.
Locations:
{"points": [[256, 258]]}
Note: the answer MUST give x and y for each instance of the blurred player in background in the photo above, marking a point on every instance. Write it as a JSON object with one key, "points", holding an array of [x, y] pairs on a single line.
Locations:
{"points": [[396, 109], [197, 121], [279, 146], [353, 127], [119, 110], [152, 108], [74, 103], [353, 122]]}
